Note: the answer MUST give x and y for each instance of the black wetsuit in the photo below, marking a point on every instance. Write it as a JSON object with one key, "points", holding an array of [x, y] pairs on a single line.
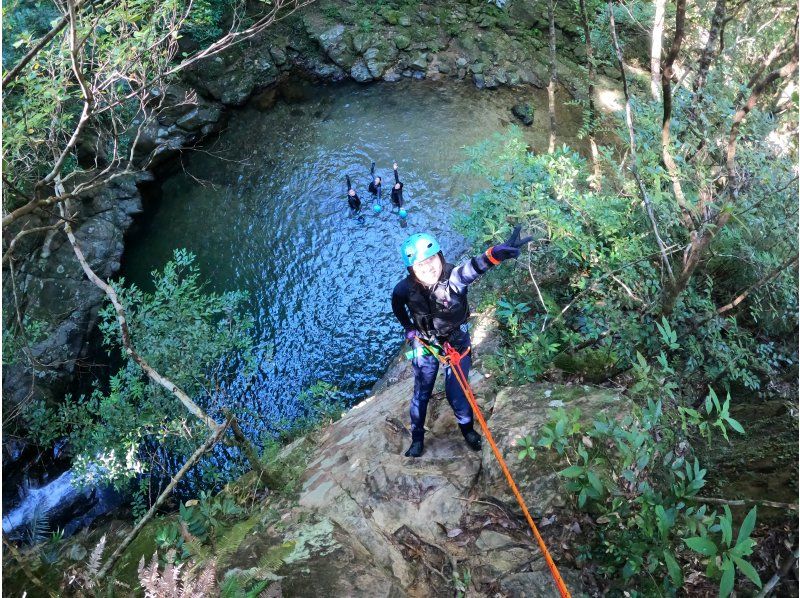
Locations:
{"points": [[352, 200], [373, 188], [397, 194]]}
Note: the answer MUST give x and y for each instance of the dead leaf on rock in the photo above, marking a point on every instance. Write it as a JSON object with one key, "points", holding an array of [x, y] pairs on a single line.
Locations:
{"points": [[456, 531]]}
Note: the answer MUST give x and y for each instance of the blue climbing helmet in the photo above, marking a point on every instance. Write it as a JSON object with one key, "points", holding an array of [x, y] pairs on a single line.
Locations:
{"points": [[418, 248]]}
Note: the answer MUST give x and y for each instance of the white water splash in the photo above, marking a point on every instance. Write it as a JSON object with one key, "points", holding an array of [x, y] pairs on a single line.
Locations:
{"points": [[49, 496]]}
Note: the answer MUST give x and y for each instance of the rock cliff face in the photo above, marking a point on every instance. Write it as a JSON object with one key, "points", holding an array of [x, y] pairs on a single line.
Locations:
{"points": [[357, 518], [48, 287], [435, 40]]}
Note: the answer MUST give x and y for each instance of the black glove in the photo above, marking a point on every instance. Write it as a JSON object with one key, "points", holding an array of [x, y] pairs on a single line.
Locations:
{"points": [[510, 249]]}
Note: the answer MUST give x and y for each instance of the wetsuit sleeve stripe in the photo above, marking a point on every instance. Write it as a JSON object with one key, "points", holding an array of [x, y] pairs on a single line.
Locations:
{"points": [[399, 300], [470, 271]]}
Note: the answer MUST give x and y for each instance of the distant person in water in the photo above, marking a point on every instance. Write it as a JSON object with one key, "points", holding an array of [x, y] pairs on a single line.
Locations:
{"points": [[397, 190], [375, 184], [353, 200]]}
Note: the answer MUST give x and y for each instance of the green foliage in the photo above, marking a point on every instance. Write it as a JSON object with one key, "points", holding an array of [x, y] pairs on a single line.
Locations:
{"points": [[598, 271], [125, 46], [462, 582], [637, 476], [37, 530], [724, 556], [17, 340], [199, 340], [207, 18]]}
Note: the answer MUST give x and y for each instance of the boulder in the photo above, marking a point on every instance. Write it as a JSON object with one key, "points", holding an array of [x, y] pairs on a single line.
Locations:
{"points": [[378, 58], [400, 510], [360, 72], [401, 42], [524, 112], [419, 62]]}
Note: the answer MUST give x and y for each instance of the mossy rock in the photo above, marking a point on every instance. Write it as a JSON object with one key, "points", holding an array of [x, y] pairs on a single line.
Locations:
{"points": [[392, 17], [593, 365], [144, 545], [401, 42]]}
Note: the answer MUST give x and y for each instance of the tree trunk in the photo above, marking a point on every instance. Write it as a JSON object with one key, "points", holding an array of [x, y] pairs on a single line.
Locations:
{"points": [[700, 242], [708, 52], [666, 94], [632, 140], [551, 86], [596, 176], [655, 48]]}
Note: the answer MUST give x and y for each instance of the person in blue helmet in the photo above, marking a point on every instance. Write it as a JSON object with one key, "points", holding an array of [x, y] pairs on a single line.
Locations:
{"points": [[431, 303]]}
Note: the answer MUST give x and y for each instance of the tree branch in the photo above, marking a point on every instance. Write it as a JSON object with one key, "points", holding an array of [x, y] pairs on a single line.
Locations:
{"points": [[193, 408], [761, 281], [62, 22], [210, 442], [634, 160]]}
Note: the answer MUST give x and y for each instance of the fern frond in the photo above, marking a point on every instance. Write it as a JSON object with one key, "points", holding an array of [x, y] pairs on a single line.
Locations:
{"points": [[149, 576], [204, 584], [94, 559], [38, 527]]}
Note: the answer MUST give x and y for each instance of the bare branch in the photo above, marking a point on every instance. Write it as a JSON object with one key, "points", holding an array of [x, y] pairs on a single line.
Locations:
{"points": [[24, 233], [190, 462], [193, 408], [760, 282], [634, 160]]}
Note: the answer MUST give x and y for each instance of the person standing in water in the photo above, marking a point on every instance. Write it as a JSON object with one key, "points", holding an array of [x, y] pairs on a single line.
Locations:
{"points": [[431, 303], [353, 200], [397, 190], [375, 184]]}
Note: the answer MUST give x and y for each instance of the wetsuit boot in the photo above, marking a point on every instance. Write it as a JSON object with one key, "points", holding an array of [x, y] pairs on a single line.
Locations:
{"points": [[471, 436], [416, 448]]}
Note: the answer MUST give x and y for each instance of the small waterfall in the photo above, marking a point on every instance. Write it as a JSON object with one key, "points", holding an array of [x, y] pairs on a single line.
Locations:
{"points": [[49, 496], [68, 507]]}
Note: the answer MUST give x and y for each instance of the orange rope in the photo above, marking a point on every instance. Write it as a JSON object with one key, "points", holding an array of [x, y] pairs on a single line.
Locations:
{"points": [[453, 359]]}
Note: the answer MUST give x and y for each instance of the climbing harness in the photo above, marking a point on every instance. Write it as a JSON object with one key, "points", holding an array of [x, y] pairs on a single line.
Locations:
{"points": [[452, 358]]}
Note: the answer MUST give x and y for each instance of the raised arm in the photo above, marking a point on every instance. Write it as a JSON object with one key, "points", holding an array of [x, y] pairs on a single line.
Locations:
{"points": [[396, 178], [470, 271], [349, 186]]}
